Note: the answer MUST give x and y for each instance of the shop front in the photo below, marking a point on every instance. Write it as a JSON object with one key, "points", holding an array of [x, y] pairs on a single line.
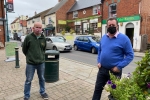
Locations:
{"points": [[88, 25], [49, 30]]}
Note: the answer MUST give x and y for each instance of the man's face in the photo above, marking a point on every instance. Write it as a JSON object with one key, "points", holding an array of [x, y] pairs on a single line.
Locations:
{"points": [[112, 23], [37, 29]]}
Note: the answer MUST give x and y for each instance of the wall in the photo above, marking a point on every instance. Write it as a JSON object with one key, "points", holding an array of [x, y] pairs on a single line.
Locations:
{"points": [[124, 8], [53, 18], [30, 23], [145, 15], [2, 29]]}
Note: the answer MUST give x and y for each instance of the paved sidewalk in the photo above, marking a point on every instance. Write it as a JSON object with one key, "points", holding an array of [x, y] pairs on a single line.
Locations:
{"points": [[76, 81], [139, 54]]}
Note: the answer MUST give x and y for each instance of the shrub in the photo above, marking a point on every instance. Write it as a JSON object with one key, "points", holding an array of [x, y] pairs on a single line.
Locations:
{"points": [[135, 86]]}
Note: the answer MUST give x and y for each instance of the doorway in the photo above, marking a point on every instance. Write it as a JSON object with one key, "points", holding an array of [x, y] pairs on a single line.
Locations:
{"points": [[130, 32]]}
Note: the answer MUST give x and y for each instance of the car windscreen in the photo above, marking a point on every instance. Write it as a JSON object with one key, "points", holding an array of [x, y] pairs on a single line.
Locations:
{"points": [[95, 38], [57, 39]]}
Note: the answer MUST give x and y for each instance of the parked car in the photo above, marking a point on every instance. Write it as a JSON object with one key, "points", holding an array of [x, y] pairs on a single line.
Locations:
{"points": [[11, 36], [15, 36], [87, 43], [56, 43], [61, 37], [19, 36]]}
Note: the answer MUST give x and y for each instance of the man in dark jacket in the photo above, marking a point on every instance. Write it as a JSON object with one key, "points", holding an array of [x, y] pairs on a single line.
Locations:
{"points": [[34, 48]]}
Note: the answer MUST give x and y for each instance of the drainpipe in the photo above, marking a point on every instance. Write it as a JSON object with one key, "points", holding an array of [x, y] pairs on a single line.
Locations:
{"points": [[102, 3]]}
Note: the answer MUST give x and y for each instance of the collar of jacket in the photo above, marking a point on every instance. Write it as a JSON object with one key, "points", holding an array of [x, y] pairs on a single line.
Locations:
{"points": [[42, 36]]}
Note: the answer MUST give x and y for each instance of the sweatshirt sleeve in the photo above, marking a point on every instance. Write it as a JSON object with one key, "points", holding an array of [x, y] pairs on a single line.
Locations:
{"points": [[25, 46], [45, 45], [129, 55], [99, 53]]}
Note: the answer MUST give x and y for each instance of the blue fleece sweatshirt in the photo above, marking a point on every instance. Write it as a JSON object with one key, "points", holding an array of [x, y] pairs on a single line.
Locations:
{"points": [[116, 51]]}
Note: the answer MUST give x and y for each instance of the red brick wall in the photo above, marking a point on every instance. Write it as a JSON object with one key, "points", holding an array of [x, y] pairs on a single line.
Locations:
{"points": [[62, 12], [124, 8], [145, 21], [2, 32], [89, 12], [24, 23]]}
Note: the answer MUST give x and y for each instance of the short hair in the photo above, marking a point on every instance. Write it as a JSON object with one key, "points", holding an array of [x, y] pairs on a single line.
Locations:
{"points": [[112, 18]]}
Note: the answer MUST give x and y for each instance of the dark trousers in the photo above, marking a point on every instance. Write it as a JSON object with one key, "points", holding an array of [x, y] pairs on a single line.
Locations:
{"points": [[102, 78]]}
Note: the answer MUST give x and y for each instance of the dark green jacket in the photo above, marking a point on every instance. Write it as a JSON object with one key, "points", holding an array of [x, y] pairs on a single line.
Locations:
{"points": [[34, 49]]}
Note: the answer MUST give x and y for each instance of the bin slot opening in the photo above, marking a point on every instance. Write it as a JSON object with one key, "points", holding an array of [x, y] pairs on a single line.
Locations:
{"points": [[51, 56]]}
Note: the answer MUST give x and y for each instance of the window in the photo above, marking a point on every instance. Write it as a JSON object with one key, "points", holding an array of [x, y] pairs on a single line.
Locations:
{"points": [[113, 10], [75, 14], [29, 22], [96, 10], [85, 39], [94, 25], [33, 21], [80, 38], [43, 21], [38, 19]]}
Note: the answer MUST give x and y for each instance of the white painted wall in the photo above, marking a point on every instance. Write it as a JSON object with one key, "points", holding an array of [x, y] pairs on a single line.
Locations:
{"points": [[122, 29], [30, 23], [53, 18]]}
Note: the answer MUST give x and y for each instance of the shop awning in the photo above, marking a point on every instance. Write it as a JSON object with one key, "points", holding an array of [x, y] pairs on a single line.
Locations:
{"points": [[49, 28]]}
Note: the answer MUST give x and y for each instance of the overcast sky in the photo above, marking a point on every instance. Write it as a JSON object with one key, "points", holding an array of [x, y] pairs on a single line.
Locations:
{"points": [[28, 7]]}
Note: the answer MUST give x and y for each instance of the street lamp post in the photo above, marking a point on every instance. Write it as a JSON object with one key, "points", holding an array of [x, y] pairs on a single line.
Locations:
{"points": [[7, 32]]}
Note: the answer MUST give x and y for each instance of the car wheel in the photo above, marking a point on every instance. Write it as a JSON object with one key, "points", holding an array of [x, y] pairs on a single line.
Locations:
{"points": [[54, 48], [93, 50], [75, 47]]}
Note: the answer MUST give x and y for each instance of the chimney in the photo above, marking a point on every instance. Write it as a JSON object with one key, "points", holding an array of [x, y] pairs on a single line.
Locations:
{"points": [[26, 16], [35, 13], [59, 0]]}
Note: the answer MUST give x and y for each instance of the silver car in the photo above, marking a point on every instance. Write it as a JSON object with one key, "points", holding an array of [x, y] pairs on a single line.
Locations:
{"points": [[56, 43]]}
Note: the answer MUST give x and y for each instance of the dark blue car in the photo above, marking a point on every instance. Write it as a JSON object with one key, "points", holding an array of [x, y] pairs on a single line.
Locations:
{"points": [[87, 43]]}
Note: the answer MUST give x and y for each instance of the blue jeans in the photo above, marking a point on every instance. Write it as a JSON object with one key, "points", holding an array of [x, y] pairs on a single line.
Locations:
{"points": [[102, 78], [30, 69]]}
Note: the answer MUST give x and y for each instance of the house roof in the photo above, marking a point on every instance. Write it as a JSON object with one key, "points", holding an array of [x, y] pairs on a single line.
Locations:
{"points": [[15, 20], [81, 4], [56, 7], [41, 14]]}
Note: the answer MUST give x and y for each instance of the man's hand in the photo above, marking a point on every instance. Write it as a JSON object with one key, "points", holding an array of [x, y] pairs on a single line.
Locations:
{"points": [[99, 65], [115, 69]]}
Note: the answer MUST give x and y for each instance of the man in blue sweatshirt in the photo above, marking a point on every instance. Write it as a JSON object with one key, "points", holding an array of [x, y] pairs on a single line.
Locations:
{"points": [[115, 52]]}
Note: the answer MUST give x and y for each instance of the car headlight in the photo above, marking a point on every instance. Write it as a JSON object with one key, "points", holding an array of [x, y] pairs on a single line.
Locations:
{"points": [[97, 44]]}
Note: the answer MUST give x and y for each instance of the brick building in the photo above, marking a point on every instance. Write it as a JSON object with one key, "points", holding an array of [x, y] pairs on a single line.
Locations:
{"points": [[84, 17], [57, 16], [133, 18], [2, 19]]}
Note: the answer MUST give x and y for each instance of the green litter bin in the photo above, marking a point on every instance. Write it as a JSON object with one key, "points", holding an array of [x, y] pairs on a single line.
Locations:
{"points": [[51, 66]]}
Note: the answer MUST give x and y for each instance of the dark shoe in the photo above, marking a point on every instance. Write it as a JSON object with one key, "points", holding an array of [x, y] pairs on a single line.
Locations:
{"points": [[26, 98], [44, 96]]}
